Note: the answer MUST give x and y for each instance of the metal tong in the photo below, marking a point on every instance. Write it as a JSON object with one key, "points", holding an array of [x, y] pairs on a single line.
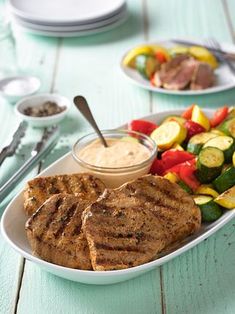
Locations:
{"points": [[40, 150]]}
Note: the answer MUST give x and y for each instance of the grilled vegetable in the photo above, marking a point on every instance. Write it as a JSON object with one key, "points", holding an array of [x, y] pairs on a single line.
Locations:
{"points": [[177, 50], [217, 132], [206, 190], [146, 65], [179, 119], [199, 117], [227, 199], [169, 133], [224, 143], [142, 126], [193, 128], [231, 113], [219, 116], [187, 114], [197, 141], [204, 55], [228, 127], [185, 187], [209, 164], [233, 159], [209, 209], [171, 177], [225, 181], [130, 57], [177, 147]]}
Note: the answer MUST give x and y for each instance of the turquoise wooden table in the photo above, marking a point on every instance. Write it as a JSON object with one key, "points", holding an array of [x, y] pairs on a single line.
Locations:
{"points": [[199, 281]]}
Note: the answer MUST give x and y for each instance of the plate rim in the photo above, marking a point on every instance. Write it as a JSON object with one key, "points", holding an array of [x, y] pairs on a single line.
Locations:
{"points": [[134, 271], [210, 90]]}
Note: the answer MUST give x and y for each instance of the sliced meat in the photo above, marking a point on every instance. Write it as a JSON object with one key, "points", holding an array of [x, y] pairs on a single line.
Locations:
{"points": [[130, 225], [54, 232], [183, 76], [169, 70], [203, 77], [38, 190]]}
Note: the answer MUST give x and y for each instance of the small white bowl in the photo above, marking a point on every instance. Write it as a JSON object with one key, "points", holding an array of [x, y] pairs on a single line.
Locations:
{"points": [[37, 100]]}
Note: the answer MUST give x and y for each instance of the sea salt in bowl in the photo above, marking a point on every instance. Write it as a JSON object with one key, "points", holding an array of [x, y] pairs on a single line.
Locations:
{"points": [[34, 102], [15, 87]]}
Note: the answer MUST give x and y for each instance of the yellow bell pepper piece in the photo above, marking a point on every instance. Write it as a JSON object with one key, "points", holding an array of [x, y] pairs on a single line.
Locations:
{"points": [[199, 117], [204, 55], [171, 177], [129, 59], [227, 199], [177, 147], [206, 190], [177, 50], [169, 133]]}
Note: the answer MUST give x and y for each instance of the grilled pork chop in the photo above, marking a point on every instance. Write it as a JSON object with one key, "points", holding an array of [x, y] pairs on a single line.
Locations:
{"points": [[40, 189], [54, 232], [130, 225], [203, 77]]}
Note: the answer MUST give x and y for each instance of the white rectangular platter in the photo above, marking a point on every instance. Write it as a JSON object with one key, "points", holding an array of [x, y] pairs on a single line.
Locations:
{"points": [[14, 218]]}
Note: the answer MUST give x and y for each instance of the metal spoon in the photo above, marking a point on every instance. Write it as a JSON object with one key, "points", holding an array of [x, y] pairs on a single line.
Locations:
{"points": [[82, 105]]}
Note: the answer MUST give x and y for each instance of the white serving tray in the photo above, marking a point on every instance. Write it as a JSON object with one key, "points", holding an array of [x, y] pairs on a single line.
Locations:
{"points": [[14, 218]]}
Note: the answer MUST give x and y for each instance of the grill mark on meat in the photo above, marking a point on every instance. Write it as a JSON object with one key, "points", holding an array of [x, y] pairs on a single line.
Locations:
{"points": [[126, 248], [138, 236], [66, 219]]}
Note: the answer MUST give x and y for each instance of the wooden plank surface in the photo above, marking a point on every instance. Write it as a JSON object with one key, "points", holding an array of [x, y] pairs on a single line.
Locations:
{"points": [[200, 281]]}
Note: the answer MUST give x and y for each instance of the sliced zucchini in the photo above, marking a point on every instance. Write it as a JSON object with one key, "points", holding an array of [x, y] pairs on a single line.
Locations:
{"points": [[179, 119], [233, 159], [197, 141], [169, 133], [228, 127], [217, 132], [224, 143], [146, 65], [206, 190], [225, 181], [209, 164], [129, 59], [199, 117], [209, 209], [231, 113], [185, 187], [177, 147], [227, 199]]}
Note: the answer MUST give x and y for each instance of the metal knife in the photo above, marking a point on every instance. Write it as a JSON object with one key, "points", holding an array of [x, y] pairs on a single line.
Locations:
{"points": [[48, 140], [10, 149], [227, 55]]}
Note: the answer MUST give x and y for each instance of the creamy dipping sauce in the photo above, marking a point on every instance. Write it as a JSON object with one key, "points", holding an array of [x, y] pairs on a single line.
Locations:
{"points": [[119, 153]]}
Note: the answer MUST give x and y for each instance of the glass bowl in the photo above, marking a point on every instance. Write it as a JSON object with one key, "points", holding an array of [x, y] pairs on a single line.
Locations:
{"points": [[115, 176]]}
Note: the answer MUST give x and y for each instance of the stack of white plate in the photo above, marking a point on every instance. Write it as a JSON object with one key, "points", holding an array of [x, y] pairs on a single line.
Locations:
{"points": [[67, 18]]}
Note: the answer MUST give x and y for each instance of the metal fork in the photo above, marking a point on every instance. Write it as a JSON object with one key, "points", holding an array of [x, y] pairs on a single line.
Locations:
{"points": [[213, 43]]}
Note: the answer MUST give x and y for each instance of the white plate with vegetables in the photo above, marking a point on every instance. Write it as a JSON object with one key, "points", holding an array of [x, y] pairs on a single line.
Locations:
{"points": [[215, 197], [167, 68]]}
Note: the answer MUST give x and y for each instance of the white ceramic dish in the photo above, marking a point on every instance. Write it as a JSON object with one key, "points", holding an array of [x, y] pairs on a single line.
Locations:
{"points": [[65, 11], [15, 87], [13, 221], [70, 28], [92, 31], [224, 78], [37, 100]]}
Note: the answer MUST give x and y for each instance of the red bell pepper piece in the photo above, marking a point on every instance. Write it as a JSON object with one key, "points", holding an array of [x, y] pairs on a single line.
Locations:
{"points": [[142, 126], [187, 114], [160, 56], [157, 167], [172, 158], [187, 175], [193, 128], [176, 169], [219, 115]]}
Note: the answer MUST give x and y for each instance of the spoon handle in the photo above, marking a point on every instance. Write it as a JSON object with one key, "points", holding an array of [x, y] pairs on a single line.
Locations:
{"points": [[82, 105]]}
